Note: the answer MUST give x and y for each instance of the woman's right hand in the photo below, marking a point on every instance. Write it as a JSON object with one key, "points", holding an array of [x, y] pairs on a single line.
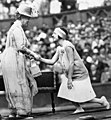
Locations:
{"points": [[37, 56]]}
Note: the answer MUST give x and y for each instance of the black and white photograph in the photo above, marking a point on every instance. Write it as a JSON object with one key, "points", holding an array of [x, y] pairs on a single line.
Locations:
{"points": [[55, 59]]}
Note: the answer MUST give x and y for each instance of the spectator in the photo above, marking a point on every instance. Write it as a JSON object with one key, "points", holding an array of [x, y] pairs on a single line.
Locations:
{"points": [[102, 54], [1, 10], [107, 2], [12, 11], [105, 76], [4, 11], [95, 74], [99, 64]]}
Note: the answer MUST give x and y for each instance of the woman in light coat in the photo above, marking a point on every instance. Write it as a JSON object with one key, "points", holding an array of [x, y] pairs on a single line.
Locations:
{"points": [[20, 86], [76, 85]]}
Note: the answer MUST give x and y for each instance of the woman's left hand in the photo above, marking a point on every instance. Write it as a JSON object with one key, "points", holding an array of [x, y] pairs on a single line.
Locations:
{"points": [[69, 84]]}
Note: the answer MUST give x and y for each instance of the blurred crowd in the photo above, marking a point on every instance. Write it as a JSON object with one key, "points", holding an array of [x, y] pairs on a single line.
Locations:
{"points": [[45, 7], [92, 40]]}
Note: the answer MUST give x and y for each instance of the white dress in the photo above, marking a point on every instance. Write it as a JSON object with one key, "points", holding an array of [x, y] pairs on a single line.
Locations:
{"points": [[82, 90]]}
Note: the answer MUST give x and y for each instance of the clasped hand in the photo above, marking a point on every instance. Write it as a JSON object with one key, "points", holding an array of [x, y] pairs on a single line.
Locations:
{"points": [[36, 56]]}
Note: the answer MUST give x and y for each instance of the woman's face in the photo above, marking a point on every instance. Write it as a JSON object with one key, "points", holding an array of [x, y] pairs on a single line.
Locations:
{"points": [[25, 21], [55, 36]]}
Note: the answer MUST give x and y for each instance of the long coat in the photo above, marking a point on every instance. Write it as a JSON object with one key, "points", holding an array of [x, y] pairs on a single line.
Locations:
{"points": [[20, 86]]}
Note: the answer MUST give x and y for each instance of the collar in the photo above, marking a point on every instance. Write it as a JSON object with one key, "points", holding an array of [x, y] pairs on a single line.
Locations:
{"points": [[18, 23]]}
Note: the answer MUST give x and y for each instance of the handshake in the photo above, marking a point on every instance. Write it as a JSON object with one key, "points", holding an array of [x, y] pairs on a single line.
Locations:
{"points": [[36, 56], [29, 54]]}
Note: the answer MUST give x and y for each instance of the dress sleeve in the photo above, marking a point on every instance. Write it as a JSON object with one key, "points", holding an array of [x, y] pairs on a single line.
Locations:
{"points": [[19, 39], [58, 49], [21, 42]]}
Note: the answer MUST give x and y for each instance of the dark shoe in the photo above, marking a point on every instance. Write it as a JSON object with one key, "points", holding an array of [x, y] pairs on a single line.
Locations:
{"points": [[13, 113]]}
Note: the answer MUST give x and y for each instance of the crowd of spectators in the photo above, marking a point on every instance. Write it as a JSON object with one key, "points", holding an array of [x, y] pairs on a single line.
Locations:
{"points": [[92, 40], [45, 7]]}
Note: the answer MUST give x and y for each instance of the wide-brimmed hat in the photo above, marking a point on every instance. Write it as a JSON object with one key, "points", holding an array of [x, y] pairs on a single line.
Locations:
{"points": [[25, 9]]}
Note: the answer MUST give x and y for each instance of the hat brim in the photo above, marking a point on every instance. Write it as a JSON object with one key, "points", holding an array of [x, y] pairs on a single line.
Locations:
{"points": [[22, 13]]}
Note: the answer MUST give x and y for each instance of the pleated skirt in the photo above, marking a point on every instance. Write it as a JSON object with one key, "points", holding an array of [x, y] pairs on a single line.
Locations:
{"points": [[82, 90]]}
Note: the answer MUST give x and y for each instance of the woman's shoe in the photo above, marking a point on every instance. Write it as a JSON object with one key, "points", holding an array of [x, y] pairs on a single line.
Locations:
{"points": [[12, 116], [13, 113], [29, 118], [105, 102], [78, 110], [24, 116]]}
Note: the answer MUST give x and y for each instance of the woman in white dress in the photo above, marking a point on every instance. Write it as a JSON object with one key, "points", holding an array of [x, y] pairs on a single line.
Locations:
{"points": [[76, 85], [20, 86]]}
